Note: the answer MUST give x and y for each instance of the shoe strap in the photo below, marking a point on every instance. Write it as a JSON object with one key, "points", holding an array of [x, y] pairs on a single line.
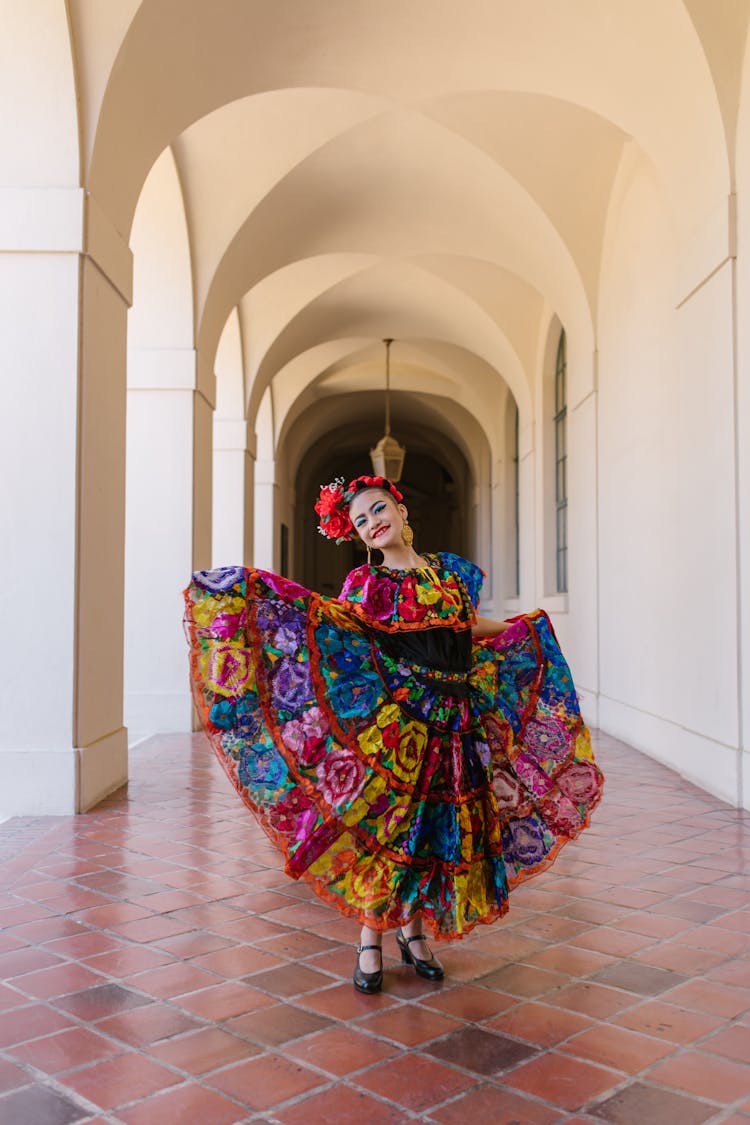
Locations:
{"points": [[414, 937], [362, 948]]}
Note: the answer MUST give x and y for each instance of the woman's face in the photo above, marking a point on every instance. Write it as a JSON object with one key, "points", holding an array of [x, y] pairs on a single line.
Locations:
{"points": [[377, 518]]}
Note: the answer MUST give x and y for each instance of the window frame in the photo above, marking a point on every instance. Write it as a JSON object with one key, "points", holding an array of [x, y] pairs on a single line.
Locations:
{"points": [[560, 419]]}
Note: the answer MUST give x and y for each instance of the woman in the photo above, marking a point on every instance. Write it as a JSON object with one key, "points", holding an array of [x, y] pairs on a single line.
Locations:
{"points": [[411, 759]]}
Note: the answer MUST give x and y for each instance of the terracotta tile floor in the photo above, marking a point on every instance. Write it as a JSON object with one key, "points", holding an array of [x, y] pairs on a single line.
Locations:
{"points": [[159, 967]]}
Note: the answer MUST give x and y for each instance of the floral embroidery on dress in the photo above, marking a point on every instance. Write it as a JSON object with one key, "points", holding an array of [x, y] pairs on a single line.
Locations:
{"points": [[443, 594], [392, 785]]}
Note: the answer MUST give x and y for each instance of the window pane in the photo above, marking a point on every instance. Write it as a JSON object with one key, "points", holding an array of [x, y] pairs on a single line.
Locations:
{"points": [[561, 467]]}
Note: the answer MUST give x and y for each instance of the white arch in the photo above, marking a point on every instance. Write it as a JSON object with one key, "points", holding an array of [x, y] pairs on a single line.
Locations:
{"points": [[402, 301], [38, 114], [161, 456], [411, 56], [382, 203]]}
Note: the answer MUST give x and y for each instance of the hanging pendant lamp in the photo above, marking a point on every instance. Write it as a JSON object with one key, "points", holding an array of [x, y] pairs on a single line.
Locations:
{"points": [[388, 456]]}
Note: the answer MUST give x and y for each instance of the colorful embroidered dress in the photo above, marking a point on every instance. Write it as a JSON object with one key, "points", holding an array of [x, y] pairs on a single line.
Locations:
{"points": [[397, 765]]}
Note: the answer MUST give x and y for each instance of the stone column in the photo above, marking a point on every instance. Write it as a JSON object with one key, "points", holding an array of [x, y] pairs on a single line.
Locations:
{"points": [[266, 495], [233, 484], [168, 506], [65, 286]]}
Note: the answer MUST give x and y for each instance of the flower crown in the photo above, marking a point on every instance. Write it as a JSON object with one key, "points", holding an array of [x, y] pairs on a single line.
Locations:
{"points": [[333, 504]]}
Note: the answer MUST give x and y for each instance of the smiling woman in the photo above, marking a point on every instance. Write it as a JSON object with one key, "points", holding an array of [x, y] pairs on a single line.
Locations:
{"points": [[411, 759]]}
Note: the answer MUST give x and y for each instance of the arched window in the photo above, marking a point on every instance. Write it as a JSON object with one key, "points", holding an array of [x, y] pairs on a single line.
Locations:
{"points": [[514, 561], [561, 467]]}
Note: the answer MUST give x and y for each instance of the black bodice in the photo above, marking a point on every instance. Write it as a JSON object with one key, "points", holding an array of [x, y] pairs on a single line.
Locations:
{"points": [[448, 650]]}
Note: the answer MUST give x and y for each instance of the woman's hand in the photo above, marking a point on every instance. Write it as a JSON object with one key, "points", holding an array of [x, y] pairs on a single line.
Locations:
{"points": [[486, 627]]}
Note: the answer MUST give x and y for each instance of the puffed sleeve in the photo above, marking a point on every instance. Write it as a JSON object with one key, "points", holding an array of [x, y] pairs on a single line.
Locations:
{"points": [[354, 584], [470, 574]]}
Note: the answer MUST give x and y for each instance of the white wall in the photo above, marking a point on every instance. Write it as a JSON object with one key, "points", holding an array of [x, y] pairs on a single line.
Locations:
{"points": [[667, 626], [38, 454], [742, 384], [161, 435], [233, 462]]}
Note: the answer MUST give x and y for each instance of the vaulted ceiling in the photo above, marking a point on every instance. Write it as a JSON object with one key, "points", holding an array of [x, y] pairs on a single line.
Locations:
{"points": [[435, 172]]}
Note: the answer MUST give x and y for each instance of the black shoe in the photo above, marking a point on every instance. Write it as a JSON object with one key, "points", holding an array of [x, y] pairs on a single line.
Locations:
{"points": [[368, 982], [430, 970]]}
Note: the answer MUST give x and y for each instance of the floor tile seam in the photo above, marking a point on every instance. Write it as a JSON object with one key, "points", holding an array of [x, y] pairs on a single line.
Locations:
{"points": [[194, 1080], [396, 1001], [81, 1102], [22, 1065], [486, 1080], [552, 945], [591, 1103], [361, 1021], [287, 1102], [67, 959], [116, 874], [704, 1040], [722, 1116], [413, 1114], [94, 1025], [711, 1103], [175, 1087], [497, 1080], [548, 1047], [287, 929], [44, 1076], [351, 1075], [558, 912], [544, 997], [692, 887], [66, 962], [172, 1003], [288, 998], [741, 1014], [584, 1107], [697, 1044], [423, 1047]]}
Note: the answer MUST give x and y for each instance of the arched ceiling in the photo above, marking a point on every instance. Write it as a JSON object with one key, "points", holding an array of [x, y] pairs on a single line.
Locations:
{"points": [[436, 172], [458, 385], [429, 424]]}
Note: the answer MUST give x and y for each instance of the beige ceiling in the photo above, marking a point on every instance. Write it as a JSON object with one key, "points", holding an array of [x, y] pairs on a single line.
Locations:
{"points": [[432, 171]]}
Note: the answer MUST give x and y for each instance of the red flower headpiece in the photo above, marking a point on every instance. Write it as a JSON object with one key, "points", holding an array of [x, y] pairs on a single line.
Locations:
{"points": [[333, 504]]}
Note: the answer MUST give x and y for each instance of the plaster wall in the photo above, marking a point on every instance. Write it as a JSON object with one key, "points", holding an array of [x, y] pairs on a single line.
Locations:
{"points": [[99, 730], [159, 548], [232, 476], [666, 495], [161, 381], [578, 629], [574, 611], [38, 768], [742, 437], [232, 465]]}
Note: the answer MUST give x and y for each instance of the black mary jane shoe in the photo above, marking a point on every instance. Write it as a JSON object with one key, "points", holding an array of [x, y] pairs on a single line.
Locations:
{"points": [[430, 970], [368, 982]]}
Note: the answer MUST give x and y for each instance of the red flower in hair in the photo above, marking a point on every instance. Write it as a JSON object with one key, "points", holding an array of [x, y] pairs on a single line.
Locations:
{"points": [[333, 504], [329, 501], [333, 509], [338, 526]]}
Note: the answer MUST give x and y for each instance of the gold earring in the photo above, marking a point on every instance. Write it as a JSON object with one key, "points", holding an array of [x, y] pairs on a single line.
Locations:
{"points": [[407, 534], [369, 555]]}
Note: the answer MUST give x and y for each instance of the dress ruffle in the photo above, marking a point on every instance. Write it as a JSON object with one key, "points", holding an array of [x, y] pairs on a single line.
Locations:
{"points": [[391, 788]]}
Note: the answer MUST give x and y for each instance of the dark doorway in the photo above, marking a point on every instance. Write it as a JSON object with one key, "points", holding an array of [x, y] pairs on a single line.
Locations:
{"points": [[434, 494]]}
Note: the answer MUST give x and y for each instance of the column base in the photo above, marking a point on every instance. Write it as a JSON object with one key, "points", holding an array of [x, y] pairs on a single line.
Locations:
{"points": [[62, 782]]}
